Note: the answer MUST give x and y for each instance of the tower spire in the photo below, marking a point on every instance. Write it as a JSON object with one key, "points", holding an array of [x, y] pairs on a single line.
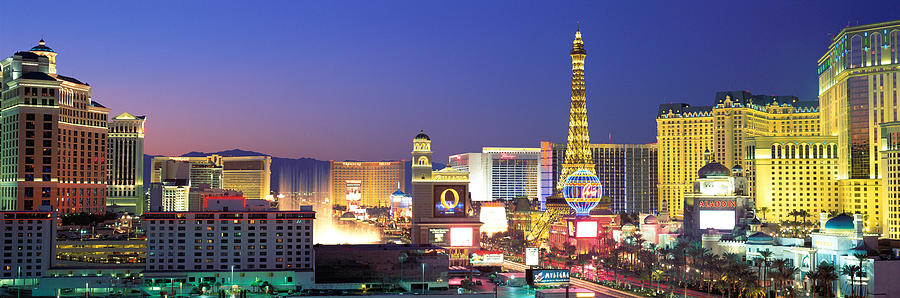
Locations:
{"points": [[578, 155]]}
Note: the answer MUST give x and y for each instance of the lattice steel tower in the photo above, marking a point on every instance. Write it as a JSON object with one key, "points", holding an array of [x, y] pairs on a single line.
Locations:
{"points": [[578, 155]]}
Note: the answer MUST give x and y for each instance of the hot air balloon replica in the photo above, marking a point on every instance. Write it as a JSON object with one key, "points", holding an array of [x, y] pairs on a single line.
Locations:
{"points": [[582, 191]]}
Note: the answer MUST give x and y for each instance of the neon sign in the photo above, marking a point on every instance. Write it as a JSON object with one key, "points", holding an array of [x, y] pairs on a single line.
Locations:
{"points": [[507, 156], [716, 204]]}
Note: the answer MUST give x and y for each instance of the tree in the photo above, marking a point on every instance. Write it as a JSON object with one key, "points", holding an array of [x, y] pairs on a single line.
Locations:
{"points": [[827, 275], [814, 276], [851, 270], [658, 275], [763, 210], [766, 254], [862, 257]]}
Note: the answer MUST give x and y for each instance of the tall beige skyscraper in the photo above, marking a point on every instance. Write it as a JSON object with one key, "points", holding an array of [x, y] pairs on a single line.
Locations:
{"points": [[53, 136], [858, 92], [125, 186]]}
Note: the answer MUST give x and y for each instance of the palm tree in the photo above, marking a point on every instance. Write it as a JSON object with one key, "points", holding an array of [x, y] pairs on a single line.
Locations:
{"points": [[862, 257], [827, 275], [851, 270], [657, 274], [763, 210], [814, 278], [766, 254]]}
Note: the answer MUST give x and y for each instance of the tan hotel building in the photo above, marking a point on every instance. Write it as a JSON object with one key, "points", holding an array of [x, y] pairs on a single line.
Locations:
{"points": [[251, 175], [53, 137], [685, 132], [858, 84], [374, 181]]}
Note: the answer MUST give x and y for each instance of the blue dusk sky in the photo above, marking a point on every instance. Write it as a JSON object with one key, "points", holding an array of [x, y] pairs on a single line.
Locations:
{"points": [[358, 79]]}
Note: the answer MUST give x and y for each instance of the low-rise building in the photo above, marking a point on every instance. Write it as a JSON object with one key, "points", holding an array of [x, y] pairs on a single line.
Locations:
{"points": [[230, 246], [367, 266], [26, 245]]}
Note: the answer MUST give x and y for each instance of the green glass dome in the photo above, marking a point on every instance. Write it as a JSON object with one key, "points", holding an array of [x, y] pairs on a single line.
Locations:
{"points": [[840, 222], [42, 47]]}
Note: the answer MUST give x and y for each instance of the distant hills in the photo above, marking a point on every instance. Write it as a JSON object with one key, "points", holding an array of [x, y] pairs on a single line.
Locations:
{"points": [[305, 175]]}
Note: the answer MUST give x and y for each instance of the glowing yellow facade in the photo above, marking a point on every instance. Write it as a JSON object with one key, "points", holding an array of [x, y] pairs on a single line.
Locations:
{"points": [[890, 179], [858, 85], [685, 132], [578, 153], [795, 173], [862, 196], [372, 182]]}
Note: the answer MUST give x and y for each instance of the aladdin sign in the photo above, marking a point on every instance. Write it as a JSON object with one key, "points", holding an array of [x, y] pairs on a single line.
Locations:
{"points": [[716, 204]]}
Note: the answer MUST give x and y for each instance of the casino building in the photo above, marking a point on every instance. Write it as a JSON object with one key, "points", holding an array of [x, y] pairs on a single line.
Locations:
{"points": [[628, 173], [685, 132], [718, 202], [500, 173], [442, 211], [53, 135], [356, 184]]}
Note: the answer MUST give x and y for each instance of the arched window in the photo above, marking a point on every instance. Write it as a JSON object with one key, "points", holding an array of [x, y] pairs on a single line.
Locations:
{"points": [[856, 51], [806, 151], [774, 155], [875, 49], [423, 161], [815, 151], [779, 151], [793, 151], [895, 38]]}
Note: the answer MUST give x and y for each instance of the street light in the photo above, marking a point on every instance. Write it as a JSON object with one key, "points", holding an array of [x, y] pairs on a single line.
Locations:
{"points": [[423, 278], [232, 274]]}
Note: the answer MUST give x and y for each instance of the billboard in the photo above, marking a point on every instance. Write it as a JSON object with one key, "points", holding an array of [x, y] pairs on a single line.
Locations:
{"points": [[486, 258], [461, 236], [493, 215], [354, 194], [547, 277], [532, 256], [586, 229], [439, 236], [450, 200], [717, 219]]}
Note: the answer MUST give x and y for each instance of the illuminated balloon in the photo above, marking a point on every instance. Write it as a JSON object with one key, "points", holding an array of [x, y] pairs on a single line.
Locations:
{"points": [[582, 191]]}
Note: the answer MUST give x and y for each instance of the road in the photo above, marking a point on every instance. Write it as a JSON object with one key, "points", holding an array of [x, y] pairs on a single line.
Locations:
{"points": [[580, 283], [599, 290]]}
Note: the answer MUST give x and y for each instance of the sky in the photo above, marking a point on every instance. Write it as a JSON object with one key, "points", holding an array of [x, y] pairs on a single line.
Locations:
{"points": [[357, 80]]}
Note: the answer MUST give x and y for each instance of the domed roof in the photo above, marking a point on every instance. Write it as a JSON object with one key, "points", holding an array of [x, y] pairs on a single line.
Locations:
{"points": [[737, 168], [422, 136], [760, 238], [651, 220], [713, 169], [840, 222], [398, 193], [42, 47], [348, 216]]}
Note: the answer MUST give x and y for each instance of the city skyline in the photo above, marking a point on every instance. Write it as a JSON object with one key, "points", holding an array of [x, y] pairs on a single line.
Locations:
{"points": [[161, 70]]}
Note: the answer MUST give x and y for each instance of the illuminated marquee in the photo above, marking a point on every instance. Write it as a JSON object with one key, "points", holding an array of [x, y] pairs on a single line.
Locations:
{"points": [[450, 200], [716, 204], [507, 156]]}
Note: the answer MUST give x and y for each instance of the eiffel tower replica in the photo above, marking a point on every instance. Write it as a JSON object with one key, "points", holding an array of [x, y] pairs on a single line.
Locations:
{"points": [[578, 153]]}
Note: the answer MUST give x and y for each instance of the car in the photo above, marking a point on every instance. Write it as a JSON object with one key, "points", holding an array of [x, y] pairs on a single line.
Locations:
{"points": [[478, 283]]}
